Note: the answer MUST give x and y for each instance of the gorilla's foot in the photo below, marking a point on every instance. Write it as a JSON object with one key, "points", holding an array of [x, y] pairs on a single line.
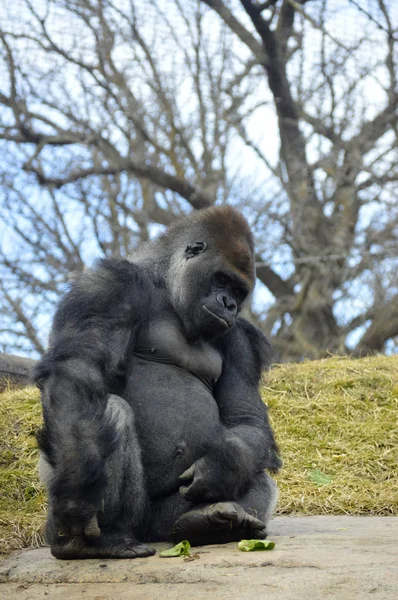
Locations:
{"points": [[217, 524], [108, 545]]}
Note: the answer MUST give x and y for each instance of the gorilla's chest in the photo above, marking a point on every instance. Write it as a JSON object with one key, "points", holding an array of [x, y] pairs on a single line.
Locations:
{"points": [[170, 389], [163, 342]]}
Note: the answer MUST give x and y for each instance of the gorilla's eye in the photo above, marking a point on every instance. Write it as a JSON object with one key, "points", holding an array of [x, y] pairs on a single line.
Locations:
{"points": [[230, 282], [222, 280], [194, 249], [239, 293]]}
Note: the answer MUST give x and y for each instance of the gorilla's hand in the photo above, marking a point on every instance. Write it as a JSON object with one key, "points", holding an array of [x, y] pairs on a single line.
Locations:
{"points": [[200, 484], [75, 518], [216, 476]]}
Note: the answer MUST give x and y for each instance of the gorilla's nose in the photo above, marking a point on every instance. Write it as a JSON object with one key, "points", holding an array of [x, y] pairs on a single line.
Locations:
{"points": [[227, 302]]}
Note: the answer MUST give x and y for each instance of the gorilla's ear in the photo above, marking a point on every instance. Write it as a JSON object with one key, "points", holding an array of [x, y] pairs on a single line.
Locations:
{"points": [[194, 249]]}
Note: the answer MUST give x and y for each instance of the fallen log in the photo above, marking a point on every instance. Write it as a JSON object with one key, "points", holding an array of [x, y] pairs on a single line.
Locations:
{"points": [[15, 370]]}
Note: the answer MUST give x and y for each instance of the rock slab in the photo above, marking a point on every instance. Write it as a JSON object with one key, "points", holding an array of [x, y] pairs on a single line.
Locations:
{"points": [[315, 558]]}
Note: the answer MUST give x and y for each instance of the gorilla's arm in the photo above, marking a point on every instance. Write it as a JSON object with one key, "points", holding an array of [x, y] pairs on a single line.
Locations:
{"points": [[247, 444], [92, 333]]}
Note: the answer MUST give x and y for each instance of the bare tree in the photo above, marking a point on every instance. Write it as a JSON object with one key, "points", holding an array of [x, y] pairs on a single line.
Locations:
{"points": [[120, 115]]}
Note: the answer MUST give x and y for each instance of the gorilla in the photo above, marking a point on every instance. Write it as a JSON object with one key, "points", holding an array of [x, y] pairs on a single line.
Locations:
{"points": [[154, 428]]}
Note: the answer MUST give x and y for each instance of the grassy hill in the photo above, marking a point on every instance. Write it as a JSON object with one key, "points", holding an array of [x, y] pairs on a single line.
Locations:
{"points": [[336, 421]]}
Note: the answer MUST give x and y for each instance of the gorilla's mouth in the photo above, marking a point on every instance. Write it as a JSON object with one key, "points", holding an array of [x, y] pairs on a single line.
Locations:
{"points": [[222, 321]]}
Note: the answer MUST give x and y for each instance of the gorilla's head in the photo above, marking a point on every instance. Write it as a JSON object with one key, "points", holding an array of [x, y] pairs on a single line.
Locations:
{"points": [[211, 270]]}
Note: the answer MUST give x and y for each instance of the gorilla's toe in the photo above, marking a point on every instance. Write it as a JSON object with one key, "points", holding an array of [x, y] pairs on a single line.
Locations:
{"points": [[112, 545], [133, 550]]}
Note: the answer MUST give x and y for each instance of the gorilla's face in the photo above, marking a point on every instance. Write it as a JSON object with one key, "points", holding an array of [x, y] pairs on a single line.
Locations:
{"points": [[209, 288], [223, 301]]}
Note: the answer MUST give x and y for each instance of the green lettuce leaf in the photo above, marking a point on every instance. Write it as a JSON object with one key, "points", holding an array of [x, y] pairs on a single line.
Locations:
{"points": [[253, 545], [181, 549], [318, 477]]}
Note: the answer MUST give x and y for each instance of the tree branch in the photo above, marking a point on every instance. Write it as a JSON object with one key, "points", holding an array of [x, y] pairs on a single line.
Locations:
{"points": [[196, 197], [301, 186], [372, 130], [276, 285], [383, 327], [243, 34], [31, 334]]}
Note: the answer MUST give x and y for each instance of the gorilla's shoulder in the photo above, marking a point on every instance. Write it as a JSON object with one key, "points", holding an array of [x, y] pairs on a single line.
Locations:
{"points": [[111, 288], [111, 277], [244, 344], [116, 271]]}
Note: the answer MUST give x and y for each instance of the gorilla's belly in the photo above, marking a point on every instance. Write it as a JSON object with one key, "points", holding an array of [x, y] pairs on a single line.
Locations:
{"points": [[177, 420]]}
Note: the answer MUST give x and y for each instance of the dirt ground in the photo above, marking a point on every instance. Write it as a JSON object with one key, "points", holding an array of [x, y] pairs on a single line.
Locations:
{"points": [[314, 558]]}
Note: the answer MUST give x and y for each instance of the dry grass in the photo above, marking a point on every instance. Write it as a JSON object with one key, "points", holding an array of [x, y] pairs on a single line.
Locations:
{"points": [[336, 422], [22, 499], [337, 425]]}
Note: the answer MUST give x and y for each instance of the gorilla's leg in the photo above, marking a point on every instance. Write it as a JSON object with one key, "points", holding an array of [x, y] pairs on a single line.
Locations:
{"points": [[164, 513], [261, 499], [173, 518], [110, 533]]}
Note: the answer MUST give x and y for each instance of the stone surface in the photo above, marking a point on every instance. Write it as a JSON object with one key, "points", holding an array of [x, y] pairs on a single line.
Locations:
{"points": [[315, 558]]}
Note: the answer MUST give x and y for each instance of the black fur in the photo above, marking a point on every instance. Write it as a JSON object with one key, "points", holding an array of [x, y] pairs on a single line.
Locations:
{"points": [[152, 375]]}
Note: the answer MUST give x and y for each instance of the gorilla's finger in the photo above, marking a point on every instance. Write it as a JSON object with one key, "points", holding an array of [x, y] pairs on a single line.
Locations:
{"points": [[188, 474], [191, 492], [254, 522], [261, 533], [183, 490], [227, 512], [92, 529]]}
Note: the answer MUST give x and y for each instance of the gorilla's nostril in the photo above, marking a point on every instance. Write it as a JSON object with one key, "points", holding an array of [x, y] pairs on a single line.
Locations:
{"points": [[222, 299], [226, 301], [231, 305]]}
